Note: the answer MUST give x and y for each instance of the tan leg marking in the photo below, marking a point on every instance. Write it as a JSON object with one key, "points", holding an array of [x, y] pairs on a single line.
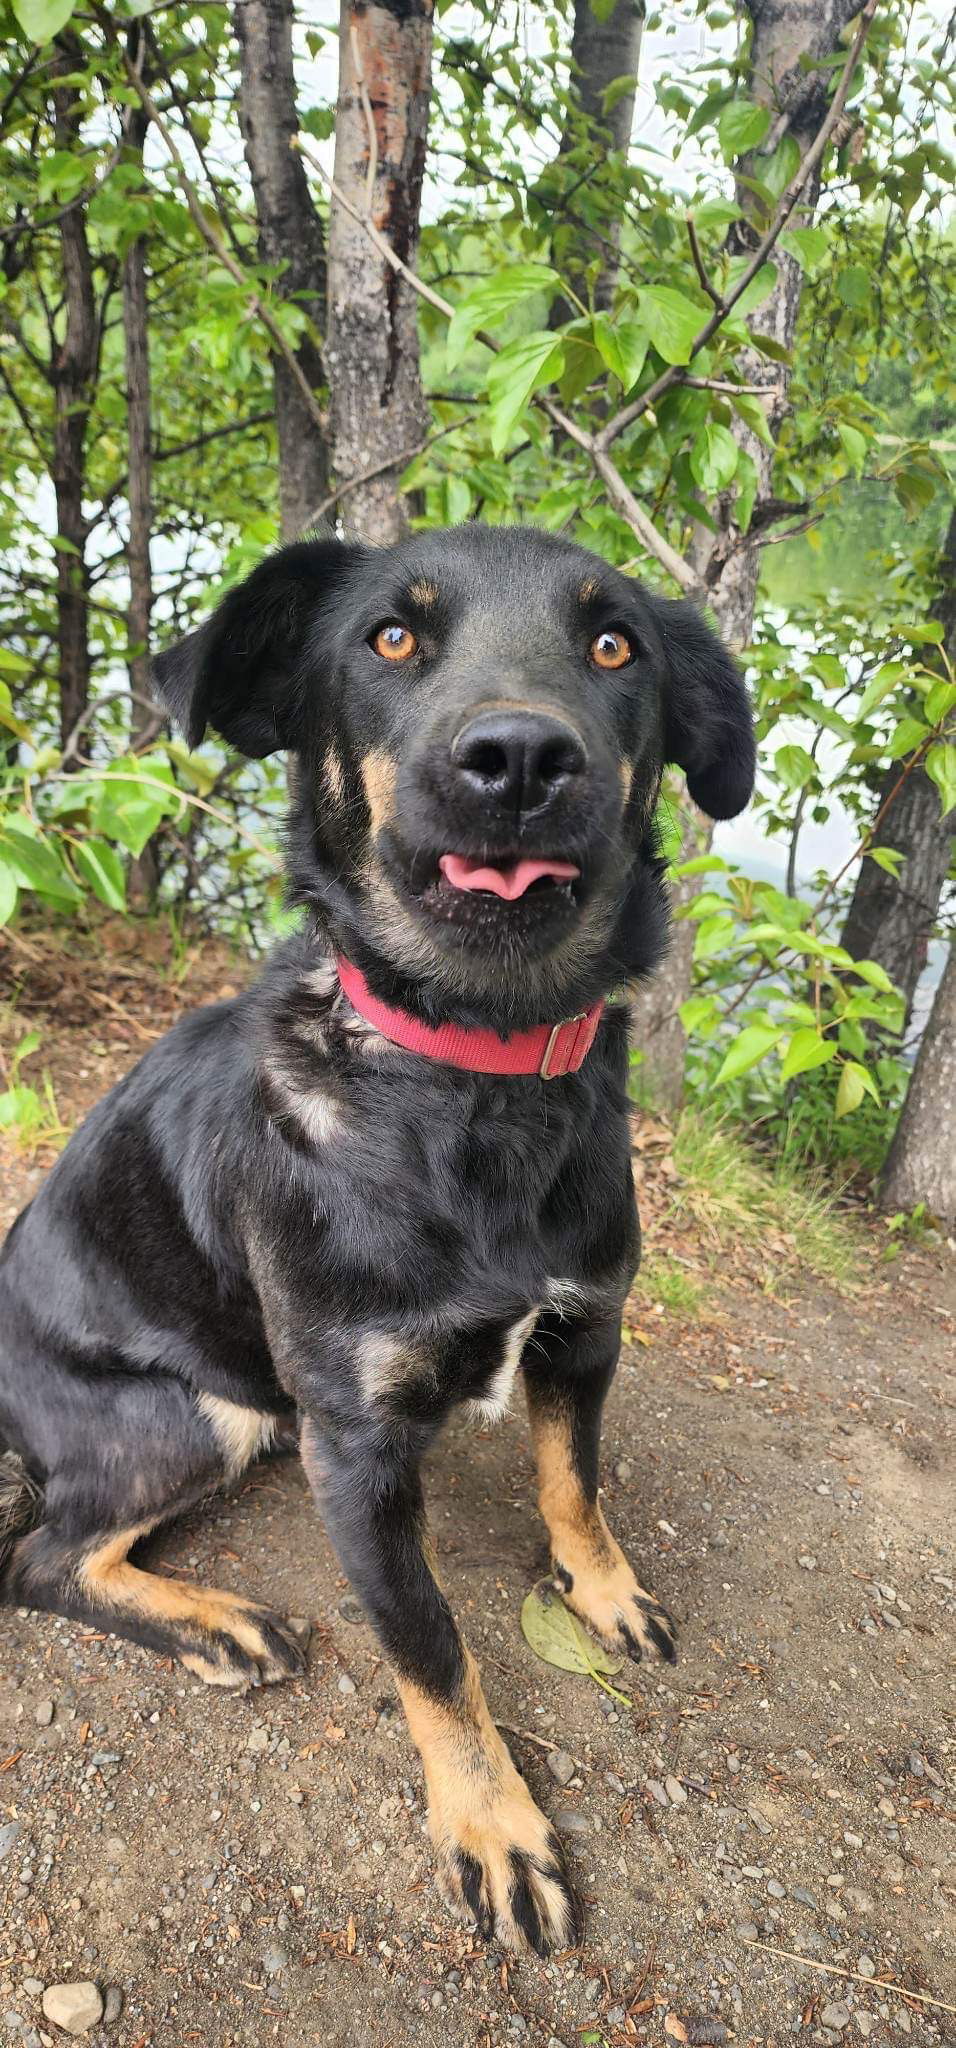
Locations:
{"points": [[589, 1564], [223, 1637], [499, 1859]]}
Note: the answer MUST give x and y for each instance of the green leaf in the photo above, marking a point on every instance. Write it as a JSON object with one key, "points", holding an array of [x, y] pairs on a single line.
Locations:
{"points": [[751, 1044], [622, 345], [36, 864], [879, 686], [806, 1049], [941, 769], [713, 457], [794, 766], [488, 302], [698, 1013], [9, 891], [102, 869], [750, 410], [871, 971], [712, 936], [888, 857], [741, 126], [853, 286], [910, 733], [672, 321], [43, 19], [515, 375], [808, 245], [939, 701], [854, 446], [558, 1637], [855, 1082], [756, 291], [714, 213]]}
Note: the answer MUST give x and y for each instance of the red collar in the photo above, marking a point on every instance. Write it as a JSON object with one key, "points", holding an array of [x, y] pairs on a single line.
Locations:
{"points": [[548, 1050]]}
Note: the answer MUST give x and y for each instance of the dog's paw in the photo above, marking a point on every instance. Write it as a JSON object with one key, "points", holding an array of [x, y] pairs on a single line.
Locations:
{"points": [[501, 1864], [247, 1646], [625, 1618]]}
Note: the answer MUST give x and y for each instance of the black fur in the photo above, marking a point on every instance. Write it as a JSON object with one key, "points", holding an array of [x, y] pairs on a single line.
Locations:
{"points": [[276, 1210]]}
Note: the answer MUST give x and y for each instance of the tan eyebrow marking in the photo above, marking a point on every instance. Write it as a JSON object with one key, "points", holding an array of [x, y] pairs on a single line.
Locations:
{"points": [[424, 593], [589, 590]]}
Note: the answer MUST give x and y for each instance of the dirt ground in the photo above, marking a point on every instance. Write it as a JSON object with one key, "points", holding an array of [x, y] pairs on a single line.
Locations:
{"points": [[253, 1870]]}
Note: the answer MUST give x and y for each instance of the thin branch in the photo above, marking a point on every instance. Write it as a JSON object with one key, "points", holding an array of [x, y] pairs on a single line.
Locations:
{"points": [[699, 264], [367, 476], [785, 207], [793, 1955]]}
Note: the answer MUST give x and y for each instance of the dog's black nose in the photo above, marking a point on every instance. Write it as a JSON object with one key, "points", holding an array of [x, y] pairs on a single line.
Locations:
{"points": [[520, 759]]}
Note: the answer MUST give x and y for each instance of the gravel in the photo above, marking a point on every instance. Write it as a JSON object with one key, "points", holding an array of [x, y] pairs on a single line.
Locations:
{"points": [[561, 1766]]}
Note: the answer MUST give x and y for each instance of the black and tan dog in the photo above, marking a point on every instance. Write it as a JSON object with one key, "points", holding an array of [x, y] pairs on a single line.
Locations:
{"points": [[348, 1197]]}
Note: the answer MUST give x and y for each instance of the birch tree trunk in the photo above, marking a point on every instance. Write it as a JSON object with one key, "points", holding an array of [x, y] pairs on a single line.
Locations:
{"points": [[891, 917], [378, 412], [290, 237], [921, 1166], [787, 36]]}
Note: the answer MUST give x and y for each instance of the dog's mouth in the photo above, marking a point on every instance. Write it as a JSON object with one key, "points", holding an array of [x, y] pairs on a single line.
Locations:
{"points": [[524, 896], [510, 880]]}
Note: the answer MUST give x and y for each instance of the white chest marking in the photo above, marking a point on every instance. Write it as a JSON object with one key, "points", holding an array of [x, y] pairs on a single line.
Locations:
{"points": [[494, 1404], [242, 1433]]}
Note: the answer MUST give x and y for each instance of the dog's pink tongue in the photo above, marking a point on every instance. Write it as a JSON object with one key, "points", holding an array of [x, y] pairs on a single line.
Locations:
{"points": [[508, 882]]}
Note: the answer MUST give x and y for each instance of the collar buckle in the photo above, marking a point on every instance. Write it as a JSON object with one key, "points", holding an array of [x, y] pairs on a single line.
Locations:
{"points": [[560, 1058]]}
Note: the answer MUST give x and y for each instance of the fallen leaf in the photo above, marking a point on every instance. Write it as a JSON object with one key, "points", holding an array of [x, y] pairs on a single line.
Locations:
{"points": [[558, 1637], [334, 1734], [675, 2027]]}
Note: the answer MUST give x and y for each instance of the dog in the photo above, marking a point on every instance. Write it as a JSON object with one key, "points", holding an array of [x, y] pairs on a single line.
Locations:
{"points": [[345, 1199]]}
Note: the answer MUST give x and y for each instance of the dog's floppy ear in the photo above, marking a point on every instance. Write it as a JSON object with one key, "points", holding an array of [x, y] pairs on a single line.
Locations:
{"points": [[708, 725], [241, 671]]}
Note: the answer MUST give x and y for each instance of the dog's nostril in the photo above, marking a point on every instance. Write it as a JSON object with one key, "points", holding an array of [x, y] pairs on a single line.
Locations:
{"points": [[522, 758], [485, 759]]}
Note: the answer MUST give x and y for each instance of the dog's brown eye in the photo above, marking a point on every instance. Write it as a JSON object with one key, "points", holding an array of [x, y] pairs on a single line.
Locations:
{"points": [[611, 650], [395, 642]]}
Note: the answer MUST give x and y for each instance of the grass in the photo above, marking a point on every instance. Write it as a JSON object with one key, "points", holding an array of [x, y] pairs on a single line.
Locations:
{"points": [[662, 1278], [728, 1194]]}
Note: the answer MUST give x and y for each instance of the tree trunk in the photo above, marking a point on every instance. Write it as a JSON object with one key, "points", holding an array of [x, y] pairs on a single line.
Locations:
{"points": [[378, 412], [601, 51], [72, 375], [891, 917], [785, 34], [921, 1166], [290, 236], [143, 874]]}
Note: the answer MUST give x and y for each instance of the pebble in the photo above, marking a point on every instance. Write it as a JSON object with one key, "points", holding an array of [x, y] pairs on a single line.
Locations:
{"points": [[9, 1833], [656, 1790], [675, 1791], [258, 1740], [807, 1563], [759, 1820], [346, 1684], [623, 1470], [44, 1713], [113, 2006], [866, 2023], [33, 1987], [561, 1766], [74, 2007], [775, 1888], [804, 1898], [747, 1930], [836, 2016], [275, 1961], [866, 1966], [572, 1823]]}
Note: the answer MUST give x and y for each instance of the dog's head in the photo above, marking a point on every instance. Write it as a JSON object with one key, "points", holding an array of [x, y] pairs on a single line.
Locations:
{"points": [[481, 717]]}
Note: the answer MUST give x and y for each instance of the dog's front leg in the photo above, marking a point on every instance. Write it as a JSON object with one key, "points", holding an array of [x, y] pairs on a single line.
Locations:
{"points": [[498, 1856], [568, 1370]]}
